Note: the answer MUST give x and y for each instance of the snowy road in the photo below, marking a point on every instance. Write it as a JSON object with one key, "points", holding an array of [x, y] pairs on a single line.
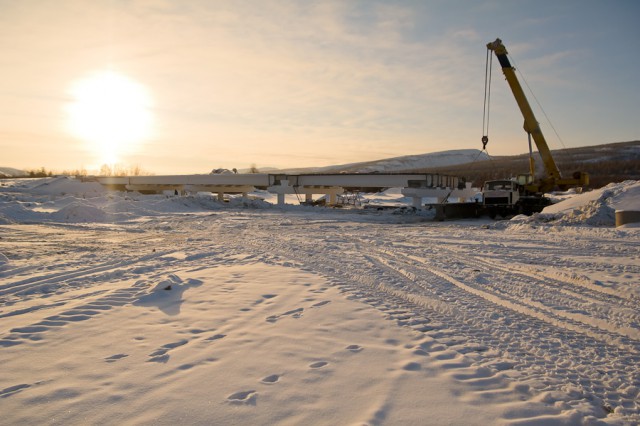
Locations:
{"points": [[550, 312]]}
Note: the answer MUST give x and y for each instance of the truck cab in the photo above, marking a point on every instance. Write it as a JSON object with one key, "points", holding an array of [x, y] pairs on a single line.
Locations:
{"points": [[501, 197], [512, 196]]}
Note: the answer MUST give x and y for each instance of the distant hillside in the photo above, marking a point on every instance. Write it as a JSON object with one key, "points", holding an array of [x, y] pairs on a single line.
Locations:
{"points": [[614, 162], [396, 164], [8, 172], [608, 163]]}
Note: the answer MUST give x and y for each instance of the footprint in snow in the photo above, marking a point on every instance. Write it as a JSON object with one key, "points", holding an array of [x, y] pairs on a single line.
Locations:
{"points": [[215, 337], [318, 364], [412, 366], [354, 348], [294, 313], [445, 356], [243, 398], [269, 380], [114, 358], [161, 355]]}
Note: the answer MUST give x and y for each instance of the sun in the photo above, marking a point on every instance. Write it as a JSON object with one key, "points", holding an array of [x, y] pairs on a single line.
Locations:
{"points": [[112, 113]]}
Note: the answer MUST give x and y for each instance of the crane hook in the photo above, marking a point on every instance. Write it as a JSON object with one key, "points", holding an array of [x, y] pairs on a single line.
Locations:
{"points": [[485, 141]]}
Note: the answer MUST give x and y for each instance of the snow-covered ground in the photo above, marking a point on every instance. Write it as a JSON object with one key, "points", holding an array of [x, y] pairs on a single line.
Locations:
{"points": [[122, 308]]}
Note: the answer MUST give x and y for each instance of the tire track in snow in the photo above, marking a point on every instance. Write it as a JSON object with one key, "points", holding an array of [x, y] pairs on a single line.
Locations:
{"points": [[628, 346], [503, 287], [548, 351], [580, 302], [23, 286]]}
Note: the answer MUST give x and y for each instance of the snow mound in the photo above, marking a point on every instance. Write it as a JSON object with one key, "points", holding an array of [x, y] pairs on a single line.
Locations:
{"points": [[19, 212], [594, 208], [245, 203], [79, 212], [66, 185]]}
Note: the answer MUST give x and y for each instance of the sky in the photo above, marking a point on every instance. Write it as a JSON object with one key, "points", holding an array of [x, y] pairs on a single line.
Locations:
{"points": [[210, 84]]}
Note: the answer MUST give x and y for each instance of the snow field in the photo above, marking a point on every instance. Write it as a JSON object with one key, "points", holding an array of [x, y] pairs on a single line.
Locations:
{"points": [[155, 309]]}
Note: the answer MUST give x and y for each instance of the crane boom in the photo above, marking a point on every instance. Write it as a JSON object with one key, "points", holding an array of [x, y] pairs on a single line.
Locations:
{"points": [[531, 125]]}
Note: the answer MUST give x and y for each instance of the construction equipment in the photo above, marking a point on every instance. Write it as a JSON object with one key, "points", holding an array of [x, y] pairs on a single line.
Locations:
{"points": [[526, 193]]}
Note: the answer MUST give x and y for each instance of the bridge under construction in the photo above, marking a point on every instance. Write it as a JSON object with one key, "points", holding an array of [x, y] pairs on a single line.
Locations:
{"points": [[415, 186]]}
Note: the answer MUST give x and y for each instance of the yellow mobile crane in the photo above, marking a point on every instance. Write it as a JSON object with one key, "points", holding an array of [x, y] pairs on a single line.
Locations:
{"points": [[526, 194]]}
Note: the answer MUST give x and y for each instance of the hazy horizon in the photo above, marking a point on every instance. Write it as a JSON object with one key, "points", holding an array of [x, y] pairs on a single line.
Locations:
{"points": [[189, 87]]}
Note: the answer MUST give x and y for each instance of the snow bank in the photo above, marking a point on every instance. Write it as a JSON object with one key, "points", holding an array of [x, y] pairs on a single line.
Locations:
{"points": [[391, 196], [69, 200], [593, 208], [66, 185], [79, 212]]}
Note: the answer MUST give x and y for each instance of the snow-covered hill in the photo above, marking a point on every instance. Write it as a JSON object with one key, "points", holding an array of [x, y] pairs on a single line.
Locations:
{"points": [[11, 172], [399, 164]]}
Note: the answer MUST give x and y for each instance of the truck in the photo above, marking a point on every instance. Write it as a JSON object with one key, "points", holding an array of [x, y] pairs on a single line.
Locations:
{"points": [[525, 194]]}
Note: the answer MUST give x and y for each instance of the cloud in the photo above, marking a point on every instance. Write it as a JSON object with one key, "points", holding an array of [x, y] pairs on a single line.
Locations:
{"points": [[340, 77]]}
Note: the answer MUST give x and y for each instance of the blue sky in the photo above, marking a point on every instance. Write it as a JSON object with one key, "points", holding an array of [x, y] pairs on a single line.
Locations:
{"points": [[303, 83]]}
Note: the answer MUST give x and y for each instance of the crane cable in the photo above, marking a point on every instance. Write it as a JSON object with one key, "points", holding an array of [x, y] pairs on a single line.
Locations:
{"points": [[486, 106], [538, 102], [487, 99]]}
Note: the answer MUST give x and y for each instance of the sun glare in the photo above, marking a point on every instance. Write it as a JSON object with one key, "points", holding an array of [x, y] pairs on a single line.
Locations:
{"points": [[112, 113]]}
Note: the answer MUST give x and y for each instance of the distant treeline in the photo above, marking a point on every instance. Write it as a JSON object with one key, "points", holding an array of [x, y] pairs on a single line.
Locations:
{"points": [[105, 170]]}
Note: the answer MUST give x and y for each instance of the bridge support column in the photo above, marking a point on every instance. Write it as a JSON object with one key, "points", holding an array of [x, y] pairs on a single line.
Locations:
{"points": [[281, 189]]}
